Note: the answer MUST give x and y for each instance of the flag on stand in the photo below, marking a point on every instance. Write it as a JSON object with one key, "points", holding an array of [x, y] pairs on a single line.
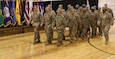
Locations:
{"points": [[12, 12], [42, 8], [6, 12], [26, 13], [18, 12], [22, 12], [1, 17]]}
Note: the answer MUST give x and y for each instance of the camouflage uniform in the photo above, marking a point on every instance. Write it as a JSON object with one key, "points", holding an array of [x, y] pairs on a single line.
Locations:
{"points": [[77, 7], [85, 23], [109, 10], [93, 21], [36, 19], [48, 21], [80, 12], [60, 25], [89, 14], [106, 19], [63, 12], [74, 24], [52, 11], [99, 25]]}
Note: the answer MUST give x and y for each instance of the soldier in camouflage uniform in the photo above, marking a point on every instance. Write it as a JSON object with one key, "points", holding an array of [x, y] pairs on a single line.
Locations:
{"points": [[84, 5], [99, 25], [106, 19], [89, 14], [77, 7], [63, 12], [52, 11], [49, 21], [68, 11], [36, 19], [74, 24], [109, 10], [60, 22], [85, 23], [80, 12], [61, 7], [93, 21]]}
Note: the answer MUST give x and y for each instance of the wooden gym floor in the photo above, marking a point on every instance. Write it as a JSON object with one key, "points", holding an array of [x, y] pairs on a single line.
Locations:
{"points": [[20, 47]]}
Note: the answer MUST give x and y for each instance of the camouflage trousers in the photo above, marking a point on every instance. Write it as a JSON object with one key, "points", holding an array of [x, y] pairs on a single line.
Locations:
{"points": [[94, 29], [36, 33], [100, 29], [49, 33], [60, 35], [105, 30], [84, 31], [73, 32]]}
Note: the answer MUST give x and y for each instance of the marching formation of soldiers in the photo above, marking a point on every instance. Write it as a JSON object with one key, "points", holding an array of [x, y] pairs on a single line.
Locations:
{"points": [[82, 21]]}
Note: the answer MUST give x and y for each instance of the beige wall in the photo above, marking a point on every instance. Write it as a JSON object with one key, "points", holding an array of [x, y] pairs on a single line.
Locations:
{"points": [[111, 4]]}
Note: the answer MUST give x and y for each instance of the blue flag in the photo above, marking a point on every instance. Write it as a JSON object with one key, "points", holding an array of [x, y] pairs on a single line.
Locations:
{"points": [[22, 12], [6, 12], [12, 12], [42, 8]]}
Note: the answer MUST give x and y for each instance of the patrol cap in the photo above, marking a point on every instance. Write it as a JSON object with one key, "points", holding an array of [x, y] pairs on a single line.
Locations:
{"points": [[59, 9], [34, 8], [77, 6], [60, 5], [84, 5], [49, 5], [103, 8], [69, 5], [47, 8]]}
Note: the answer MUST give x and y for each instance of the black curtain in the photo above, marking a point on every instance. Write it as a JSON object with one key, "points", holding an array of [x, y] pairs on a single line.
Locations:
{"points": [[66, 2], [93, 3], [72, 2]]}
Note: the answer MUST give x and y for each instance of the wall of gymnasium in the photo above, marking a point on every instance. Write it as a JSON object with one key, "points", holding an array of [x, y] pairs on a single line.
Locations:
{"points": [[111, 4]]}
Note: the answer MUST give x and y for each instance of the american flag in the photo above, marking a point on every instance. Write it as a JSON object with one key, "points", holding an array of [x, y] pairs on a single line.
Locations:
{"points": [[40, 7], [26, 13]]}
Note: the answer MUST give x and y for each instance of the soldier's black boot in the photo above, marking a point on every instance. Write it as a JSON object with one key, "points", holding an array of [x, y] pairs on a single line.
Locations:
{"points": [[48, 42], [36, 41], [64, 38], [71, 40], [106, 42], [59, 43]]}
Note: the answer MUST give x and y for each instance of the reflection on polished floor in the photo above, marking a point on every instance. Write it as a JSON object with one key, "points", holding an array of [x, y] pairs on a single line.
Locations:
{"points": [[20, 47]]}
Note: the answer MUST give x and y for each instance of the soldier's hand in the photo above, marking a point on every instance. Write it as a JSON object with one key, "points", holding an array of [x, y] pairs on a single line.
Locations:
{"points": [[41, 25], [52, 27]]}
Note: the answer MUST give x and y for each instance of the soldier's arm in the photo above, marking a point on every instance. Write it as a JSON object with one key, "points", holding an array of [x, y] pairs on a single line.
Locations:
{"points": [[31, 19], [64, 21], [40, 17], [111, 19], [78, 19], [53, 20], [41, 20], [111, 13]]}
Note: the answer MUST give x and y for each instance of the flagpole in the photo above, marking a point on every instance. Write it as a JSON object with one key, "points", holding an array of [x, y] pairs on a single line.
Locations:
{"points": [[51, 4]]}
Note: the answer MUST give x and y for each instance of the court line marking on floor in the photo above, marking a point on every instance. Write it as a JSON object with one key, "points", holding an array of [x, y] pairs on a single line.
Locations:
{"points": [[98, 48], [111, 56]]}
